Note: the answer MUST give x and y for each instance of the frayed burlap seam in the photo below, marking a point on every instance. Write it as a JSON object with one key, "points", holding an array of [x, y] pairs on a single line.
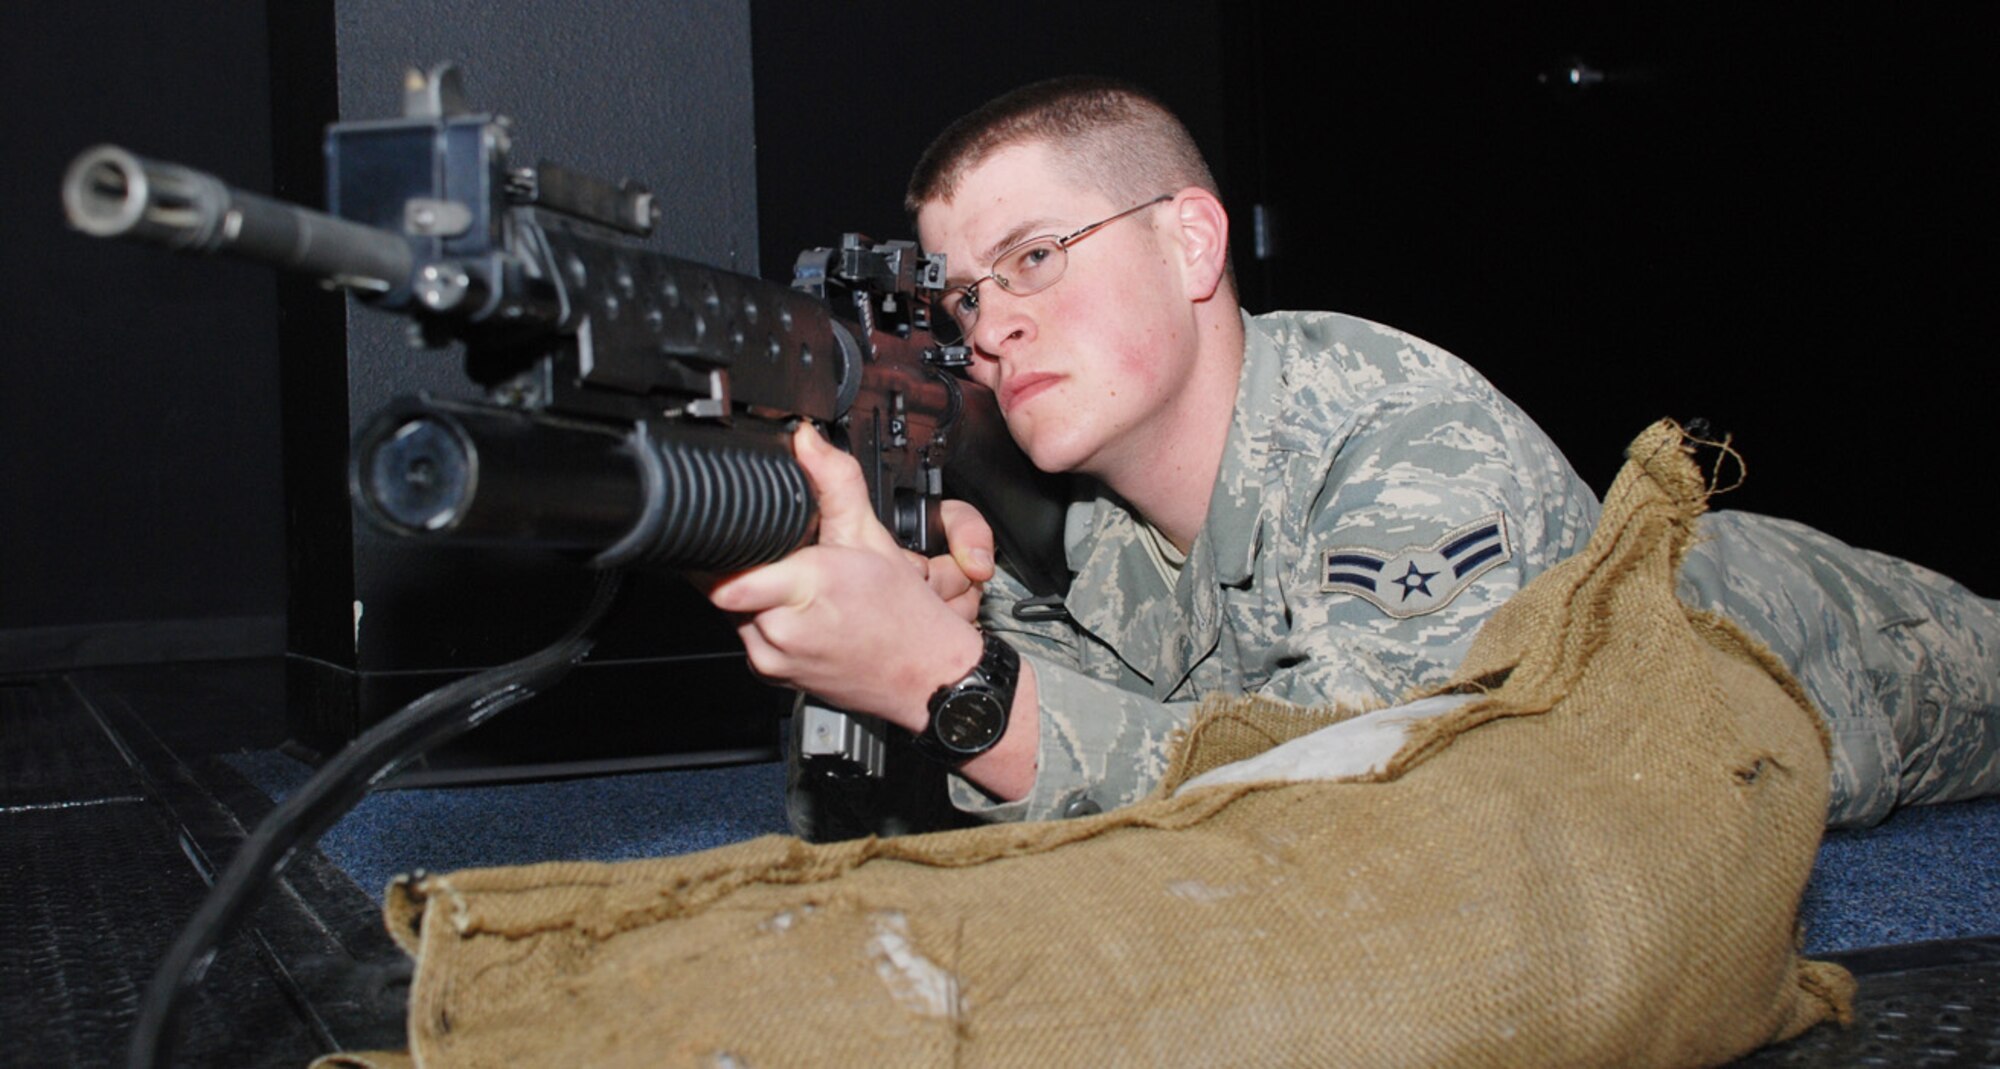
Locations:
{"points": [[1531, 680], [1729, 638], [1227, 730], [1832, 985]]}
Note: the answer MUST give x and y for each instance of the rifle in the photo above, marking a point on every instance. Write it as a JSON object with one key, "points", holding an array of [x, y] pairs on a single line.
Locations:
{"points": [[635, 405]]}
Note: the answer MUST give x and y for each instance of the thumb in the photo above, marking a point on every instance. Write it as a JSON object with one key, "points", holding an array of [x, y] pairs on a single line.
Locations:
{"points": [[971, 540], [846, 515]]}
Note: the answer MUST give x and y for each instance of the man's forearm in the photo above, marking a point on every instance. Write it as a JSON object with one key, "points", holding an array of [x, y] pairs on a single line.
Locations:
{"points": [[1008, 770]]}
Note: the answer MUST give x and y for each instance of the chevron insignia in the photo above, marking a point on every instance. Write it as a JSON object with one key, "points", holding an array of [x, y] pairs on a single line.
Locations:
{"points": [[1419, 579]]}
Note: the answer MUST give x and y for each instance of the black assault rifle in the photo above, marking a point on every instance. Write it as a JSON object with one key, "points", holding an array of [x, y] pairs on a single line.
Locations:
{"points": [[636, 404], [635, 414]]}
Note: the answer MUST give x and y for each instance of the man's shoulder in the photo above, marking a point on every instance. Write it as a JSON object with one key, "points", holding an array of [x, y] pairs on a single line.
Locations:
{"points": [[1325, 376], [1376, 411], [1356, 354]]}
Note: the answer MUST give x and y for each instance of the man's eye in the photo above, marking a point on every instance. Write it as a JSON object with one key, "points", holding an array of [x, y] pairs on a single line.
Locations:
{"points": [[1035, 257]]}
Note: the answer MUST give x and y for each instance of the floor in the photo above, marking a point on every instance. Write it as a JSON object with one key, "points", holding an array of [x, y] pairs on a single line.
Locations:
{"points": [[118, 808]]}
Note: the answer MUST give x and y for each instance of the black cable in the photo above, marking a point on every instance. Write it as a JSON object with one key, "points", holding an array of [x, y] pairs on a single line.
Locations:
{"points": [[339, 786]]}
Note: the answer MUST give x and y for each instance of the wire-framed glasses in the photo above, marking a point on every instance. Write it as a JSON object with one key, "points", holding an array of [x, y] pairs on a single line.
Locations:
{"points": [[1029, 267]]}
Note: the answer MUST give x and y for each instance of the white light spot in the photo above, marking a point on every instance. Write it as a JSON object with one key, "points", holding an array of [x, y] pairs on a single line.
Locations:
{"points": [[1197, 891], [783, 922], [914, 981]]}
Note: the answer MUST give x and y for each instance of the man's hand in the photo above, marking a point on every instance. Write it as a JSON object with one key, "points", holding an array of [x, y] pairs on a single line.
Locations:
{"points": [[959, 577], [856, 619]]}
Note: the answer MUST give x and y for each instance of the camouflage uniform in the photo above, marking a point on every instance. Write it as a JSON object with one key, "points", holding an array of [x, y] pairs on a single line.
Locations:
{"points": [[1377, 499], [1903, 663]]}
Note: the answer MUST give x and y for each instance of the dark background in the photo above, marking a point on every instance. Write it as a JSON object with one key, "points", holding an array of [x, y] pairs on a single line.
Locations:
{"points": [[140, 475], [1776, 217]]}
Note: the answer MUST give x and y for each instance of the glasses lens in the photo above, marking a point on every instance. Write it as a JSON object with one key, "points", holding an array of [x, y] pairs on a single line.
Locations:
{"points": [[961, 308], [1031, 267]]}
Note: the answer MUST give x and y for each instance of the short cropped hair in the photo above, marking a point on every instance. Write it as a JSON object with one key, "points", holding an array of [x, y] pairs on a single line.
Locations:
{"points": [[1109, 136]]}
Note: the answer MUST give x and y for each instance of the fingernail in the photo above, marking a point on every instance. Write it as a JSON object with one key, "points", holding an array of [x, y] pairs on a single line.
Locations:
{"points": [[981, 557]]}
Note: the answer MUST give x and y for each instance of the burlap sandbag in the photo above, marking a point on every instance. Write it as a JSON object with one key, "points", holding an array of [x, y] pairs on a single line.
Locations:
{"points": [[1599, 862]]}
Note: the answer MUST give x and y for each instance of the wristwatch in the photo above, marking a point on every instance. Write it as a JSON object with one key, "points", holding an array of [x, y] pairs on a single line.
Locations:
{"points": [[969, 716]]}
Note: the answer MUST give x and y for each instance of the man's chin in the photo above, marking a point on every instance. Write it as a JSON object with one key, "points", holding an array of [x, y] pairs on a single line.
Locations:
{"points": [[1053, 454]]}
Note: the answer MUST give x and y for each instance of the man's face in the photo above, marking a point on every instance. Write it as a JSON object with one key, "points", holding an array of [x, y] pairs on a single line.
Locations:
{"points": [[1086, 370]]}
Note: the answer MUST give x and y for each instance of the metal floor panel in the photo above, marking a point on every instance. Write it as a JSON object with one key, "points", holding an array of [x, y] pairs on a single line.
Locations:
{"points": [[95, 896], [1931, 1005], [105, 836], [51, 755]]}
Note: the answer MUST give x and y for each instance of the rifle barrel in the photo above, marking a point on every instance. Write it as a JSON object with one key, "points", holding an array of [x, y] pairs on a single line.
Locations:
{"points": [[111, 193]]}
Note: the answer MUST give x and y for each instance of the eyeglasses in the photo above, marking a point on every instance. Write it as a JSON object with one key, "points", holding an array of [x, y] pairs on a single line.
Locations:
{"points": [[1030, 267]]}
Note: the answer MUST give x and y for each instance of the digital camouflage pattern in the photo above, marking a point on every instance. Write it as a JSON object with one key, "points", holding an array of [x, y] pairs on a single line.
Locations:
{"points": [[1350, 440], [1903, 663], [1377, 499]]}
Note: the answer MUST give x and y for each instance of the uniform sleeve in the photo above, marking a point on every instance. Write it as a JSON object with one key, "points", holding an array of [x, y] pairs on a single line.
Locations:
{"points": [[1102, 744], [1382, 551], [1430, 514]]}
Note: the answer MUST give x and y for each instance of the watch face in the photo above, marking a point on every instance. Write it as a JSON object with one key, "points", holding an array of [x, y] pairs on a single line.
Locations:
{"points": [[970, 722]]}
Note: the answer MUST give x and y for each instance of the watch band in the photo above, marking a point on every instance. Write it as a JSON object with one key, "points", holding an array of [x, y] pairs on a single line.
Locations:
{"points": [[969, 717]]}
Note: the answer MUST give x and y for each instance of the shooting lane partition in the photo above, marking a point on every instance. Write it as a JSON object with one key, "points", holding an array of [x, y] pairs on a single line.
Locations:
{"points": [[655, 91]]}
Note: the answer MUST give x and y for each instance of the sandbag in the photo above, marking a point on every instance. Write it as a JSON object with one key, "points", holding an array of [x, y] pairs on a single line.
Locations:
{"points": [[1597, 860]]}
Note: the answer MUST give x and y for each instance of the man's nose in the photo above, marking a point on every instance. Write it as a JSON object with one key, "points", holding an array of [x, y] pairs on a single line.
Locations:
{"points": [[1003, 323]]}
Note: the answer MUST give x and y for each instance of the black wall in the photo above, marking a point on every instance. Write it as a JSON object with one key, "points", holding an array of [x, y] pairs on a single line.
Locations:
{"points": [[139, 468], [1776, 216], [848, 95]]}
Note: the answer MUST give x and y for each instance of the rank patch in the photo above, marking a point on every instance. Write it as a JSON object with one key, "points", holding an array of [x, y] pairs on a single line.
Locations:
{"points": [[1419, 579]]}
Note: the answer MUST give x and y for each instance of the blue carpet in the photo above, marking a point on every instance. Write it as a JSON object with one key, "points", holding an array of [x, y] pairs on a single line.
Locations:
{"points": [[609, 818], [1926, 873]]}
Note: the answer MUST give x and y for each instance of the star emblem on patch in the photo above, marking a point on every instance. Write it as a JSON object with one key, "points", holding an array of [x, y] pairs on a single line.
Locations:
{"points": [[1415, 580]]}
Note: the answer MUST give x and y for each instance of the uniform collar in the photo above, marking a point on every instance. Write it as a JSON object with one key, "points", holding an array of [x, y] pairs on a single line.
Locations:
{"points": [[1234, 528], [1118, 594]]}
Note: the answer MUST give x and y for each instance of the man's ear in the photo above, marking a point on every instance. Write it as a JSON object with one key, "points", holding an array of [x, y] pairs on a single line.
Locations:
{"points": [[1202, 227]]}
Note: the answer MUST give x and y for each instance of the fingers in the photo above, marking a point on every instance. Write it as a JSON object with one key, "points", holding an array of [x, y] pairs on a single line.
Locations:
{"points": [[850, 625], [951, 586], [847, 519], [846, 516], [785, 583], [958, 578], [966, 605], [775, 606], [765, 659]]}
